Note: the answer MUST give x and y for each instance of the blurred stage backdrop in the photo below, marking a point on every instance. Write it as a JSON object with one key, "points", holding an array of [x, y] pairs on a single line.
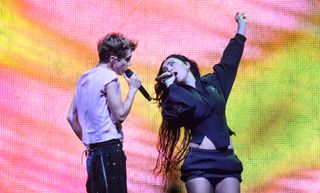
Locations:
{"points": [[274, 107]]}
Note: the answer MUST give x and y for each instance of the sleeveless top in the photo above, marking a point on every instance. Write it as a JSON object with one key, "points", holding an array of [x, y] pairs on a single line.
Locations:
{"points": [[92, 106]]}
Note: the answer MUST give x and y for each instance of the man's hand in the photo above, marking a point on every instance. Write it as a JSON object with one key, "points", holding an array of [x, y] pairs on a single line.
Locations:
{"points": [[134, 82]]}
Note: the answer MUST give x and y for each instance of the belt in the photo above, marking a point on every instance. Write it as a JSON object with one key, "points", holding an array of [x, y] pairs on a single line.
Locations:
{"points": [[104, 143]]}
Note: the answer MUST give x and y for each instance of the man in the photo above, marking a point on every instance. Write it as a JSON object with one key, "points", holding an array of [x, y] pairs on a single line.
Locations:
{"points": [[97, 111]]}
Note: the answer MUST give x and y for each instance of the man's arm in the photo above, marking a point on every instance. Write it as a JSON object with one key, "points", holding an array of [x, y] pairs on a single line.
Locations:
{"points": [[119, 109], [72, 118]]}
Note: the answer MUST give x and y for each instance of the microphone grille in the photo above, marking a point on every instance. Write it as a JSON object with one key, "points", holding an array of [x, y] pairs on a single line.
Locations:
{"points": [[128, 72]]}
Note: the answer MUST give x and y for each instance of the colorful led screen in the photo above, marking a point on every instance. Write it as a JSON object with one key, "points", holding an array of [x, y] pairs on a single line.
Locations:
{"points": [[273, 108]]}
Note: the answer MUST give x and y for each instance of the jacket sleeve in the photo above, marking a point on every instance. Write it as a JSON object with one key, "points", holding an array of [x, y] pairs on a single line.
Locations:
{"points": [[227, 68], [183, 107]]}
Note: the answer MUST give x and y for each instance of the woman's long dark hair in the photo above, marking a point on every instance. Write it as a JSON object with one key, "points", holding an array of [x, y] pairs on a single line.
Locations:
{"points": [[169, 135]]}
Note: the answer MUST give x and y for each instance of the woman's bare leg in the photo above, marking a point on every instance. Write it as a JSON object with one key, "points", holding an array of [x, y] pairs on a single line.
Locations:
{"points": [[228, 185], [199, 185]]}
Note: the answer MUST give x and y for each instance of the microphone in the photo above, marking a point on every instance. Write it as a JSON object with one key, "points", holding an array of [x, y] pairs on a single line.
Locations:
{"points": [[143, 91], [165, 76]]}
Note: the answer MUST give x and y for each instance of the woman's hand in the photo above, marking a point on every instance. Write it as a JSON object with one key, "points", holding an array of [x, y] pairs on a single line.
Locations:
{"points": [[170, 81], [167, 78], [241, 19]]}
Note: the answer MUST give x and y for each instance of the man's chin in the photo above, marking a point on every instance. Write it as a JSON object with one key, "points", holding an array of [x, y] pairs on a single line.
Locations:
{"points": [[119, 73], [123, 71]]}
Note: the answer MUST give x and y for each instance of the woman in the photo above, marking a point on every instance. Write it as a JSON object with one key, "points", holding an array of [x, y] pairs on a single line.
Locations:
{"points": [[197, 104]]}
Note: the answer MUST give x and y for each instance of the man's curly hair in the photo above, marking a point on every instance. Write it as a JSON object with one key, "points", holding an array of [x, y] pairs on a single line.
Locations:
{"points": [[114, 44]]}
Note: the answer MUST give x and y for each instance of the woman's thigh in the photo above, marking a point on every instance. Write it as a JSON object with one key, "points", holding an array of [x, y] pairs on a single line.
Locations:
{"points": [[228, 185], [199, 185]]}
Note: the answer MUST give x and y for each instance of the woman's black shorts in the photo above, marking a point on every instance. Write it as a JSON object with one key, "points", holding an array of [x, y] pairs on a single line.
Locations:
{"points": [[213, 165]]}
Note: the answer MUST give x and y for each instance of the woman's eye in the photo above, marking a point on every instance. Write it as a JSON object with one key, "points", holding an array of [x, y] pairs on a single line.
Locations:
{"points": [[164, 69]]}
